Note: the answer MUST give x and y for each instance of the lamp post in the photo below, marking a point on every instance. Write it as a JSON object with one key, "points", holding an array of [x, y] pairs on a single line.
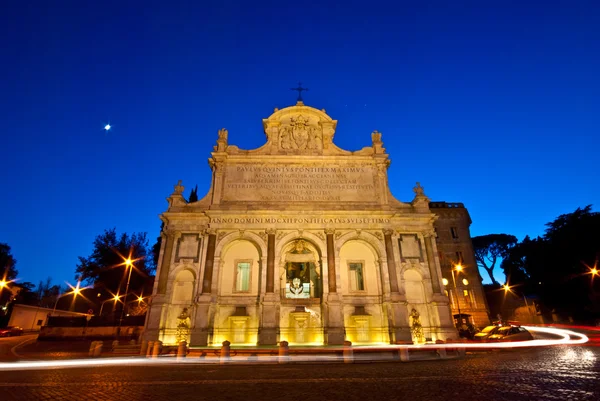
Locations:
{"points": [[458, 269], [76, 291], [115, 298], [128, 265]]}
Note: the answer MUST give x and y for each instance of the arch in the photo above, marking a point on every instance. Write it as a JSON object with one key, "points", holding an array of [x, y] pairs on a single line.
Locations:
{"points": [[300, 269], [413, 287], [182, 266], [375, 243], [183, 287], [258, 242], [358, 268], [240, 268], [420, 267], [317, 242]]}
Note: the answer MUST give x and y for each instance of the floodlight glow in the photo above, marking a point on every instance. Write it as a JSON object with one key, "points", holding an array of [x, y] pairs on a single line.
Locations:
{"points": [[107, 127]]}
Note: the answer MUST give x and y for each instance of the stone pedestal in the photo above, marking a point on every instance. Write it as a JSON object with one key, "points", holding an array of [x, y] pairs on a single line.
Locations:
{"points": [[334, 332], [267, 334], [301, 323], [400, 329], [238, 326], [200, 333]]}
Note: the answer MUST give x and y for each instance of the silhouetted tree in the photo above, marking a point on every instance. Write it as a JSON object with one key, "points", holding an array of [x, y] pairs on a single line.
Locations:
{"points": [[490, 249], [105, 267], [193, 195], [557, 266], [47, 293], [8, 270]]}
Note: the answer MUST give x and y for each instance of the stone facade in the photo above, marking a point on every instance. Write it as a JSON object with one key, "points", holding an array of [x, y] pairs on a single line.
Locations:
{"points": [[300, 241]]}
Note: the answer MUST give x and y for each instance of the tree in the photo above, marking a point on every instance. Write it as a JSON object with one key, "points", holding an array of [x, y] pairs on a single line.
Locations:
{"points": [[105, 267], [557, 266], [8, 270], [193, 195], [490, 248], [47, 293]]}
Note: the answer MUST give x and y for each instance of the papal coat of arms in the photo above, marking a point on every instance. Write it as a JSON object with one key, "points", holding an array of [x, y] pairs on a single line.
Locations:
{"points": [[299, 135]]}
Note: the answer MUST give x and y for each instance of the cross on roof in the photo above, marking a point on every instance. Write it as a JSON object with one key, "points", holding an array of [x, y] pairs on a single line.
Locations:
{"points": [[299, 89]]}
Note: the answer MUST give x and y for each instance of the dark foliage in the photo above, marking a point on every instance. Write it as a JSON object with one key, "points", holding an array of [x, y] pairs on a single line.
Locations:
{"points": [[105, 267], [556, 267]]}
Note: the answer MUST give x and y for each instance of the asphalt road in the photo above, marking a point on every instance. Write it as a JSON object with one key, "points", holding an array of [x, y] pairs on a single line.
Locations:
{"points": [[557, 373]]}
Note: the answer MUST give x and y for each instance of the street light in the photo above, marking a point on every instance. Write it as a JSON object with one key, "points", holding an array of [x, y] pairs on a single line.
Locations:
{"points": [[115, 298], [75, 291], [458, 269], [128, 265]]}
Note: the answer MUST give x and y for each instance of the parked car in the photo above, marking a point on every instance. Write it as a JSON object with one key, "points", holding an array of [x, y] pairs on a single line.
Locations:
{"points": [[10, 331], [485, 333], [511, 333]]}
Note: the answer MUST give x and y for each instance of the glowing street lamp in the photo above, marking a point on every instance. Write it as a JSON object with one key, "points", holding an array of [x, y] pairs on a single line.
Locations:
{"points": [[115, 298], [458, 269], [128, 265], [74, 290]]}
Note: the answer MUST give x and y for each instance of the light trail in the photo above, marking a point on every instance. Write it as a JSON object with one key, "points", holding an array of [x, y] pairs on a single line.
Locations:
{"points": [[565, 339]]}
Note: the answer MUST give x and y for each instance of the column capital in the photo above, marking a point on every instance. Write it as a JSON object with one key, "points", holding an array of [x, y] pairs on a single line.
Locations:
{"points": [[271, 231], [330, 231], [388, 231]]}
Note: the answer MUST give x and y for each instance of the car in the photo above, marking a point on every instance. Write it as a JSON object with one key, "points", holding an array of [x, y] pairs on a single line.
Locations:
{"points": [[510, 333], [485, 333], [10, 331]]}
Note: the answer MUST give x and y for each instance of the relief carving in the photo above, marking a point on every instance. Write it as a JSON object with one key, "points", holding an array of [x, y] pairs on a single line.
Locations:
{"points": [[300, 135]]}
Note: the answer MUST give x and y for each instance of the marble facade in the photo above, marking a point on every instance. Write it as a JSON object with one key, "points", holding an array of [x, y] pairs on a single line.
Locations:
{"points": [[300, 241]]}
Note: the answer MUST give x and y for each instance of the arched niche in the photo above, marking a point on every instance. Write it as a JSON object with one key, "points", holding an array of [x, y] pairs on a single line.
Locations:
{"points": [[301, 275], [239, 268], [358, 267], [183, 287], [413, 287]]}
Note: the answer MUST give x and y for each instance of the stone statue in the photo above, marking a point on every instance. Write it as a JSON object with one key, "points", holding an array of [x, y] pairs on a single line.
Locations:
{"points": [[179, 188], [416, 328], [419, 190], [222, 141], [183, 326]]}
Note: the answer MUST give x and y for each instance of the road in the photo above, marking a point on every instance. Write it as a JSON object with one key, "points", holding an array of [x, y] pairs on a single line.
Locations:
{"points": [[556, 373], [7, 343]]}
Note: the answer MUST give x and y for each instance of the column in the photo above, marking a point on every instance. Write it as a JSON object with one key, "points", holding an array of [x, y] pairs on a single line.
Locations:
{"points": [[270, 261], [433, 271], [331, 262], [166, 262], [334, 330], [391, 261], [269, 324], [209, 263]]}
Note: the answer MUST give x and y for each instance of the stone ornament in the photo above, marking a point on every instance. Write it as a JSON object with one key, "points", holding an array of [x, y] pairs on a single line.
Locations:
{"points": [[416, 328], [300, 135]]}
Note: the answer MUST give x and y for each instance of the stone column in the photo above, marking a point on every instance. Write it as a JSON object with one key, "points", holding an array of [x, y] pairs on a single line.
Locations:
{"points": [[267, 334], [433, 270], [391, 261], [331, 262], [270, 261], [334, 330], [209, 263], [165, 265]]}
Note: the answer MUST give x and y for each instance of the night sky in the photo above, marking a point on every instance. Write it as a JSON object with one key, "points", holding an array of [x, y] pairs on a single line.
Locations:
{"points": [[494, 106]]}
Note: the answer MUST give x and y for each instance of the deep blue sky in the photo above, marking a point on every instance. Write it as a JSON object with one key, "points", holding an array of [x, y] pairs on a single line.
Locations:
{"points": [[492, 103]]}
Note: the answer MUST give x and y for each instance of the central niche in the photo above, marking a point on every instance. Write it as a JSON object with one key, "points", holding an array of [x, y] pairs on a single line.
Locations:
{"points": [[302, 273]]}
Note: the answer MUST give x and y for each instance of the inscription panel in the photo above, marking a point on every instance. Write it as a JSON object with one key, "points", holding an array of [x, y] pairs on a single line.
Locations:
{"points": [[293, 183]]}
